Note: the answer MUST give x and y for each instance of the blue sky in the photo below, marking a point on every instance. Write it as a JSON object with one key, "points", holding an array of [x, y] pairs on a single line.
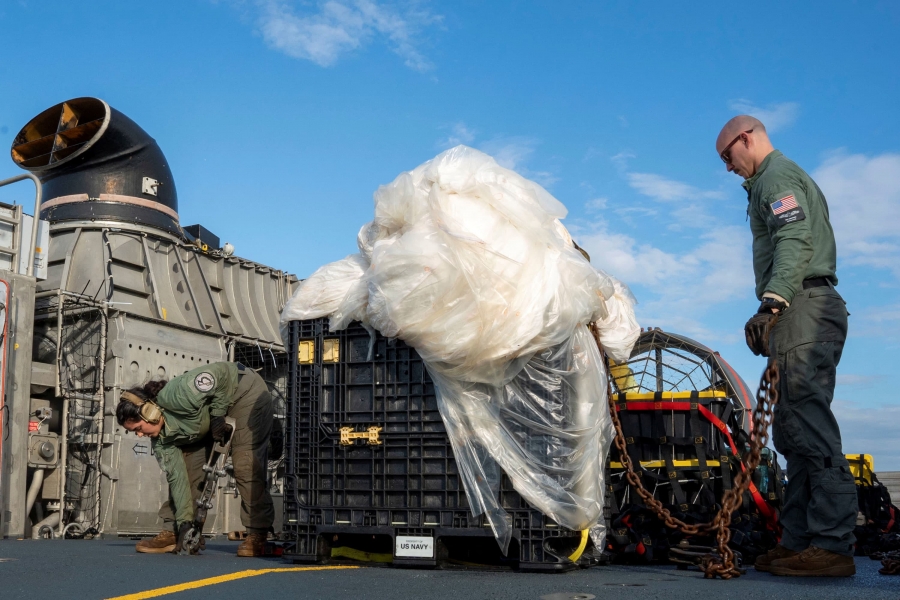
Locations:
{"points": [[280, 119]]}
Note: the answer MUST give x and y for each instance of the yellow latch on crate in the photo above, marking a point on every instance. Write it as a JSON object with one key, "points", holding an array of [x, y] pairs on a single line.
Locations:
{"points": [[306, 352], [331, 350], [371, 434], [862, 466]]}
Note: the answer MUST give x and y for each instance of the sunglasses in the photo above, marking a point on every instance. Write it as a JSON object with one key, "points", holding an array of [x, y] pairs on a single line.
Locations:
{"points": [[726, 155]]}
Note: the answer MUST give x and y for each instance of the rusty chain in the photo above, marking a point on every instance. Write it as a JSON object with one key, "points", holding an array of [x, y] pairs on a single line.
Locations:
{"points": [[722, 565], [766, 399]]}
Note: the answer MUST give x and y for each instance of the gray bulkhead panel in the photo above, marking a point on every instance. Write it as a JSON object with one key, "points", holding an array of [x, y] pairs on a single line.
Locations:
{"points": [[171, 308], [17, 403], [158, 278], [138, 351]]}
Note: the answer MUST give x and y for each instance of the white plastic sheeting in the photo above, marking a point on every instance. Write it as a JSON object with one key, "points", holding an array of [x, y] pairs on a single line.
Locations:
{"points": [[468, 262]]}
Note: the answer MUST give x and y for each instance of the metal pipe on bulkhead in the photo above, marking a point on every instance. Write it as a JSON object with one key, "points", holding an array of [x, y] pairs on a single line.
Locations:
{"points": [[33, 490]]}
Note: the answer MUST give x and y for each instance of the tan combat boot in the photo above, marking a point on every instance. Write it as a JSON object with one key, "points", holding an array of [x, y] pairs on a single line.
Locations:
{"points": [[254, 545], [814, 562], [162, 543], [765, 561]]}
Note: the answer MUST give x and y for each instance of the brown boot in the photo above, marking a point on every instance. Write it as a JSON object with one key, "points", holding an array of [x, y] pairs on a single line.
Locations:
{"points": [[765, 561], [162, 543], [814, 562], [254, 545]]}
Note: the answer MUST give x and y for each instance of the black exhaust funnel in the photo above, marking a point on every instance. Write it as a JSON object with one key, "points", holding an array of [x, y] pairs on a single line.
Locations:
{"points": [[96, 164]]}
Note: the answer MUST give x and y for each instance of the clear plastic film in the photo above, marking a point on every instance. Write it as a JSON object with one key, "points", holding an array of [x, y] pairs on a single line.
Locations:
{"points": [[337, 290], [468, 262]]}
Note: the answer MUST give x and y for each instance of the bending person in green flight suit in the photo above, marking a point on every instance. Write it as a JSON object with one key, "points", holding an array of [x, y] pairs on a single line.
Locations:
{"points": [[802, 323], [183, 417]]}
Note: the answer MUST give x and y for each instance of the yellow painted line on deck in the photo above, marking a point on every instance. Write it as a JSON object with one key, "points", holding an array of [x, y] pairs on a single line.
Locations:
{"points": [[192, 585]]}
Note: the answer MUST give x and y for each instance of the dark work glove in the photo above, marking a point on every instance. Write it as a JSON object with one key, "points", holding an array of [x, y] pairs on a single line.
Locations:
{"points": [[760, 325], [184, 531], [219, 429]]}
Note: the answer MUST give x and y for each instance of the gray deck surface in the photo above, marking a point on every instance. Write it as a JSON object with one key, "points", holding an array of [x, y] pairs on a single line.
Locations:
{"points": [[109, 568]]}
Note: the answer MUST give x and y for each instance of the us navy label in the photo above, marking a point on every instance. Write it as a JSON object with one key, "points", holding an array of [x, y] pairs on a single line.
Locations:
{"points": [[413, 546], [791, 216]]}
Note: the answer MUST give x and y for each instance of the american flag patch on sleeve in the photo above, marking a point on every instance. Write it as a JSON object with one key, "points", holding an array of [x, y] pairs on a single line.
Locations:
{"points": [[786, 210], [785, 204]]}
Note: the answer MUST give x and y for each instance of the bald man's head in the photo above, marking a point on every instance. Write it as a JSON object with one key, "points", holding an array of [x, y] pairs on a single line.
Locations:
{"points": [[745, 144], [736, 125]]}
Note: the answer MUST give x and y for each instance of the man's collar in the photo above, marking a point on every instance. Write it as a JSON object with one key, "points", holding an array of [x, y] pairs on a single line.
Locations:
{"points": [[748, 183]]}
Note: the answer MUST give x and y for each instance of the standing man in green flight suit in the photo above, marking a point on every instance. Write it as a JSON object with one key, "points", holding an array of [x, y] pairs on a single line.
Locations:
{"points": [[802, 322], [183, 417]]}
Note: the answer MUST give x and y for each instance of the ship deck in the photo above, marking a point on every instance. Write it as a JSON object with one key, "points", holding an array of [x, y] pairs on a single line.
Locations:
{"points": [[110, 568]]}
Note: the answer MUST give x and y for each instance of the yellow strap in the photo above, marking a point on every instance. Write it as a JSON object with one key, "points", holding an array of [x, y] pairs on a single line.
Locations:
{"points": [[345, 552], [674, 395], [660, 464], [580, 549]]}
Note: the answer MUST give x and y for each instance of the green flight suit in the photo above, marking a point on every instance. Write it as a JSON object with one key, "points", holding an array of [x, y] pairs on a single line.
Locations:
{"points": [[182, 448], [794, 249]]}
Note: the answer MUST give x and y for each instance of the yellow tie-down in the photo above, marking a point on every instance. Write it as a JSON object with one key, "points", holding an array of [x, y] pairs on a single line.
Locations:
{"points": [[371, 435]]}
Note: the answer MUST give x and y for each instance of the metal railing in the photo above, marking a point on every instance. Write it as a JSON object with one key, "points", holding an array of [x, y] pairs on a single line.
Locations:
{"points": [[29, 269]]}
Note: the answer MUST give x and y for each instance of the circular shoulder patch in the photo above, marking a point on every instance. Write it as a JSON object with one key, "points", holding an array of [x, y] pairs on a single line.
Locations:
{"points": [[204, 382]]}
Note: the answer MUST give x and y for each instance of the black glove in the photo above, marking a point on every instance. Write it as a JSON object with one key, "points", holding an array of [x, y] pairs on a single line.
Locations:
{"points": [[219, 429], [185, 531], [760, 325]]}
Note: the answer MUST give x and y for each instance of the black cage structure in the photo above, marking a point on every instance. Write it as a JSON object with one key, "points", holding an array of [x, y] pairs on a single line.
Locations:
{"points": [[272, 366], [686, 416], [71, 332]]}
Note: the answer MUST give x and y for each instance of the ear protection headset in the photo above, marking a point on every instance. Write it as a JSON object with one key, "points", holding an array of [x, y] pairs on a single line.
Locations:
{"points": [[149, 411]]}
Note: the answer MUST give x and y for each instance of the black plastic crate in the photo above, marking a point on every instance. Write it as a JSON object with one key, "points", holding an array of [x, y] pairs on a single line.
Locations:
{"points": [[399, 480]]}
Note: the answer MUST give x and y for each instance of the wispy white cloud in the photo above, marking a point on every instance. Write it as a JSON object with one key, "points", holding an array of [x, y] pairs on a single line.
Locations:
{"points": [[630, 260], [664, 189], [633, 214], [621, 159], [864, 200], [460, 133], [690, 204], [596, 205], [883, 315], [774, 116], [514, 152], [338, 27], [510, 151], [857, 381], [863, 196], [545, 178], [714, 271], [878, 322], [636, 210], [870, 430], [712, 267], [591, 153]]}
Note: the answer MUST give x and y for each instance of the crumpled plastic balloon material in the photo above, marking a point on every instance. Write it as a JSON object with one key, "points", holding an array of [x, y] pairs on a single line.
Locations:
{"points": [[469, 263]]}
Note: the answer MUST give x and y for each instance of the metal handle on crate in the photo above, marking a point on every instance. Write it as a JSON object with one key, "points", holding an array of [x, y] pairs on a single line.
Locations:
{"points": [[371, 434]]}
